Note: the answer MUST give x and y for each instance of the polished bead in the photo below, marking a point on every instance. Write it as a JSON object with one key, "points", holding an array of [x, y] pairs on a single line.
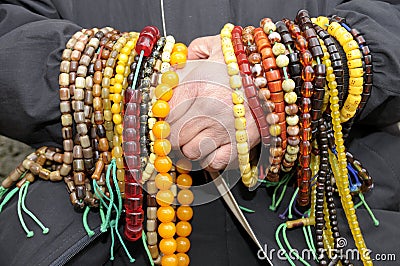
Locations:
{"points": [[166, 230], [163, 164], [239, 110], [163, 92], [183, 229], [185, 197], [290, 97], [161, 109], [165, 198], [162, 147], [168, 247], [163, 181]]}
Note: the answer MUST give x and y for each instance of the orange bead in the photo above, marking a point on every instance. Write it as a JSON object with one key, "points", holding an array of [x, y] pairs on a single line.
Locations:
{"points": [[181, 48], [170, 78], [161, 109], [183, 229], [184, 213], [183, 259], [167, 246], [163, 181], [165, 214], [165, 198], [182, 244], [169, 260], [183, 166], [178, 60], [184, 181], [166, 230], [161, 129], [163, 164], [162, 147], [185, 197], [163, 92]]}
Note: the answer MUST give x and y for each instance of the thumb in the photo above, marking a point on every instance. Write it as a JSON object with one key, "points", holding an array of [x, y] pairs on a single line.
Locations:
{"points": [[205, 48]]}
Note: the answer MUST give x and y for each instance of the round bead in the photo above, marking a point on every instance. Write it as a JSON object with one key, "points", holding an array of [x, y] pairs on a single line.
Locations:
{"points": [[279, 49], [185, 197], [282, 61], [288, 85], [183, 166], [167, 230], [183, 259], [275, 130], [183, 228], [170, 260], [290, 97], [184, 213], [117, 119], [165, 214], [184, 181], [170, 78], [163, 164], [178, 60], [181, 48], [165, 198], [268, 27], [182, 244], [292, 120], [161, 109], [163, 181], [161, 129], [162, 147], [168, 246], [163, 92]]}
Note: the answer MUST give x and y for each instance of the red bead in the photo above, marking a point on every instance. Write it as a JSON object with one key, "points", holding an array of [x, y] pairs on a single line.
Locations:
{"points": [[145, 43], [132, 233], [245, 68], [273, 75], [266, 53], [132, 176], [132, 190], [305, 119], [305, 105], [241, 58], [275, 86], [237, 30], [133, 204], [269, 63]]}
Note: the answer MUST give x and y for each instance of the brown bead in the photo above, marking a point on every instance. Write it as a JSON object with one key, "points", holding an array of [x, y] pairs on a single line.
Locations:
{"points": [[55, 176], [293, 131], [254, 58], [68, 157], [272, 118], [35, 168], [291, 109], [21, 182], [264, 94], [103, 144], [78, 165], [98, 170], [293, 140], [79, 178], [44, 174], [277, 97]]}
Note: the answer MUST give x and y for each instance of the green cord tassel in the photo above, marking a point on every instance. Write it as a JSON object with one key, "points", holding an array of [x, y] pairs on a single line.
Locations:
{"points": [[274, 204], [89, 231], [146, 248], [8, 197], [28, 232], [45, 229], [278, 241], [371, 214], [290, 216], [291, 251], [3, 191]]}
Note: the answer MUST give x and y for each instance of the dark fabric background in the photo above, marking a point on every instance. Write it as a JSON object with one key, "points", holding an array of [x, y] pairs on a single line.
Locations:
{"points": [[32, 36]]}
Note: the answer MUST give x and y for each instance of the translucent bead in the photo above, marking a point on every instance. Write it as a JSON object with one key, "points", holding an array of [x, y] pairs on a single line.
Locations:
{"points": [[185, 197], [183, 229], [308, 73], [163, 91], [168, 247], [184, 213], [306, 58], [163, 164], [165, 214], [170, 260], [184, 181], [166, 230], [243, 148], [170, 78], [162, 147], [161, 129], [178, 60], [165, 198], [161, 109], [183, 244]]}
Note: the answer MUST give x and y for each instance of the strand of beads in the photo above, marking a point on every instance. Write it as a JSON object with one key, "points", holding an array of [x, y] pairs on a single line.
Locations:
{"points": [[308, 75], [290, 85], [235, 82]]}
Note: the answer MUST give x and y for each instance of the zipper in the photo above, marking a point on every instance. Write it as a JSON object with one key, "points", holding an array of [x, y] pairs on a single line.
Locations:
{"points": [[76, 248]]}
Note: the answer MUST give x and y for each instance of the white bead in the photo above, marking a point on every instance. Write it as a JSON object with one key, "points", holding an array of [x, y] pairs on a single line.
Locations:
{"points": [[274, 36], [260, 82], [257, 69], [170, 39], [292, 120], [80, 83], [268, 26], [151, 121], [233, 69], [278, 49], [165, 67], [166, 57], [168, 47]]}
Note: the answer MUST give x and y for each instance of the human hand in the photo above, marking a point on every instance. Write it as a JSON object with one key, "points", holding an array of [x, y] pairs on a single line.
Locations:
{"points": [[201, 118]]}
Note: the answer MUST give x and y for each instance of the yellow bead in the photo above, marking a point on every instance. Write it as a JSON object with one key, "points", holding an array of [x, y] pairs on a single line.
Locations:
{"points": [[243, 148], [353, 54], [233, 69], [125, 50], [117, 119], [328, 63], [235, 82], [332, 84], [178, 59], [237, 97], [335, 107], [230, 57], [329, 70], [116, 108], [239, 110], [120, 69], [354, 63], [356, 72], [119, 128], [170, 78], [351, 45], [240, 123], [290, 97], [354, 99], [229, 26], [117, 152], [334, 99], [226, 33], [345, 115], [108, 116], [119, 78], [241, 136], [322, 22], [130, 45], [118, 88], [357, 82], [345, 38], [333, 27], [163, 92], [326, 55], [245, 168], [355, 89], [161, 109], [340, 32], [275, 130], [330, 77], [117, 98], [162, 147]]}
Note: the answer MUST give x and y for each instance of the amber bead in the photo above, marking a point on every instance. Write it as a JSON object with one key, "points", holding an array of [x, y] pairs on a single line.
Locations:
{"points": [[183, 229], [167, 246], [184, 213], [185, 197], [183, 259], [169, 260], [307, 89], [183, 244], [161, 109], [165, 198], [166, 214], [184, 181], [162, 147], [166, 230], [163, 181], [305, 105], [308, 73]]}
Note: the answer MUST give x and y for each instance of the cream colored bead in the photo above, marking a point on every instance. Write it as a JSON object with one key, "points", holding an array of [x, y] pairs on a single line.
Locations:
{"points": [[268, 27], [165, 66], [230, 57], [279, 49], [239, 110], [245, 168], [237, 97], [235, 82], [63, 79], [243, 148], [292, 150], [288, 85], [243, 159], [174, 189], [94, 42], [290, 97], [229, 26], [166, 57], [226, 33], [152, 213], [151, 135], [170, 39], [292, 120], [79, 94], [240, 123], [151, 121], [151, 187], [282, 61], [152, 158], [233, 69], [241, 136], [168, 47], [290, 157], [66, 120]]}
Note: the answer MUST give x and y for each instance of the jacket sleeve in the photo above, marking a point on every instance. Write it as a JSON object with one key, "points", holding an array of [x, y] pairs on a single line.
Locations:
{"points": [[32, 38]]}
